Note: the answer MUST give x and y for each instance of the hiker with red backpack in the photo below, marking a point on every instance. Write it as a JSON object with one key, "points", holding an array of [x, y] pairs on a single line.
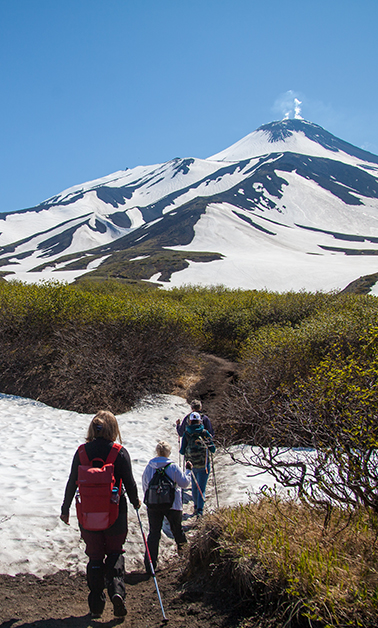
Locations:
{"points": [[196, 447], [100, 476], [162, 482]]}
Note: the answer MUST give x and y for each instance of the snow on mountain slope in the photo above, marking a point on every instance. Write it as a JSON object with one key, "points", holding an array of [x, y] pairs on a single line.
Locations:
{"points": [[290, 206], [262, 255], [128, 191]]}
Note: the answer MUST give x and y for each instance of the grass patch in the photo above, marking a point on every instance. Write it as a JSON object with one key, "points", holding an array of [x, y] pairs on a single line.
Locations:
{"points": [[124, 266], [281, 559], [166, 262]]}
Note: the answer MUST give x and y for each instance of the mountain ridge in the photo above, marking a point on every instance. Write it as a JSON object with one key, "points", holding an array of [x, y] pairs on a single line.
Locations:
{"points": [[281, 131], [267, 220]]}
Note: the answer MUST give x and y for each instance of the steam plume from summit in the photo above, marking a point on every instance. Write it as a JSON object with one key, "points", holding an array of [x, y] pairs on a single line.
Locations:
{"points": [[297, 109], [288, 106]]}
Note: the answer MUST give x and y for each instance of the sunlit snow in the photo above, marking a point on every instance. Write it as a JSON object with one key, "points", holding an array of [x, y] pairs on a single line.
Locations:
{"points": [[286, 261], [37, 446]]}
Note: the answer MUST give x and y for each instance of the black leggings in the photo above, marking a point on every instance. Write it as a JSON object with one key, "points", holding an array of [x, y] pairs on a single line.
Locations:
{"points": [[155, 520]]}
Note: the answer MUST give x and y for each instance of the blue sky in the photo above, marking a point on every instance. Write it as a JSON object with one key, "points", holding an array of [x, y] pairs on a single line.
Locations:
{"points": [[89, 87]]}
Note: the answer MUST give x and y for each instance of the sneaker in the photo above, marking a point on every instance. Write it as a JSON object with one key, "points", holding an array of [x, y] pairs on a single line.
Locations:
{"points": [[120, 609], [96, 615]]}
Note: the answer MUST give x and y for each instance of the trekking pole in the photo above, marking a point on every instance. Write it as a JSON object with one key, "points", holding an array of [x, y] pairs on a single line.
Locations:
{"points": [[179, 455], [165, 620], [183, 463], [215, 482]]}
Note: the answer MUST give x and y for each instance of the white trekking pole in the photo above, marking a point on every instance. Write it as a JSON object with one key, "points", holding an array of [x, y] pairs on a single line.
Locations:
{"points": [[215, 482], [179, 455], [165, 620]]}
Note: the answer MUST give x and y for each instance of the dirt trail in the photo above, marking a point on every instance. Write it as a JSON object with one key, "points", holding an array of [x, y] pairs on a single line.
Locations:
{"points": [[60, 601]]}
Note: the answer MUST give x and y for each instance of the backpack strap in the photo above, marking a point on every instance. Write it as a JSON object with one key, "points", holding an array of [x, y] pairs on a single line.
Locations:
{"points": [[164, 468], [113, 453], [83, 456]]}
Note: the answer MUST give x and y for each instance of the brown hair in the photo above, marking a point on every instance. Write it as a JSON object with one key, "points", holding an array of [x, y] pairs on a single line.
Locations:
{"points": [[196, 405], [163, 449], [104, 425]]}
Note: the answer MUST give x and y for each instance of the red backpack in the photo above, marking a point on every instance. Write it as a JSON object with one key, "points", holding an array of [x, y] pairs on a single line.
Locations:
{"points": [[97, 497]]}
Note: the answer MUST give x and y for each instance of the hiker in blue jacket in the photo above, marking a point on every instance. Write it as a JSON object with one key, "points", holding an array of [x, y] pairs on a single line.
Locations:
{"points": [[172, 513], [102, 433], [196, 406], [196, 445]]}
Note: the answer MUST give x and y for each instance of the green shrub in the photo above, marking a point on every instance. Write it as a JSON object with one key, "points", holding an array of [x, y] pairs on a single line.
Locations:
{"points": [[277, 338], [83, 350], [289, 569], [275, 357]]}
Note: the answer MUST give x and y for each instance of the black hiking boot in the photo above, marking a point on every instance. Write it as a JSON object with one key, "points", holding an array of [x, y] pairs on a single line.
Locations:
{"points": [[120, 609]]}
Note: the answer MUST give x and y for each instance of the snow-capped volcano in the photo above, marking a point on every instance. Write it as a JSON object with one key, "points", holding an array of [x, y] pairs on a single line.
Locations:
{"points": [[289, 206], [295, 136]]}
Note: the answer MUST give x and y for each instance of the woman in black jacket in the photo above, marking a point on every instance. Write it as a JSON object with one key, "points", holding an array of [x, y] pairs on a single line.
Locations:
{"points": [[104, 547]]}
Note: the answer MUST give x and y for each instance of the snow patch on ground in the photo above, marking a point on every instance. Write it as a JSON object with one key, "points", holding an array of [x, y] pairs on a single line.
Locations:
{"points": [[38, 444]]}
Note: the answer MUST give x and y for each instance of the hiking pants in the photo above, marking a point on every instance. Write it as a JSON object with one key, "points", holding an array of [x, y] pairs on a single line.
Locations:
{"points": [[102, 573], [201, 475], [155, 521]]}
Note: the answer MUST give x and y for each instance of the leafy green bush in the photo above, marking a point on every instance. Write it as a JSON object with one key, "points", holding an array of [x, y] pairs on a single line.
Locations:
{"points": [[313, 386], [337, 407], [275, 357]]}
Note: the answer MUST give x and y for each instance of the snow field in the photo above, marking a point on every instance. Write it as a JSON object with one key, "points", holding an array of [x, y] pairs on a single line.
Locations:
{"points": [[37, 446], [290, 260]]}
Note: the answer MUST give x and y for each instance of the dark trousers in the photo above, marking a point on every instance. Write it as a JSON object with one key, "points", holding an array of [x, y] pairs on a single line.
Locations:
{"points": [[155, 521], [102, 573]]}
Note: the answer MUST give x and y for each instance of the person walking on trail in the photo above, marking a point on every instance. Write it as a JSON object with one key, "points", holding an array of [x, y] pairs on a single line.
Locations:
{"points": [[102, 457], [196, 406], [173, 512], [195, 447]]}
